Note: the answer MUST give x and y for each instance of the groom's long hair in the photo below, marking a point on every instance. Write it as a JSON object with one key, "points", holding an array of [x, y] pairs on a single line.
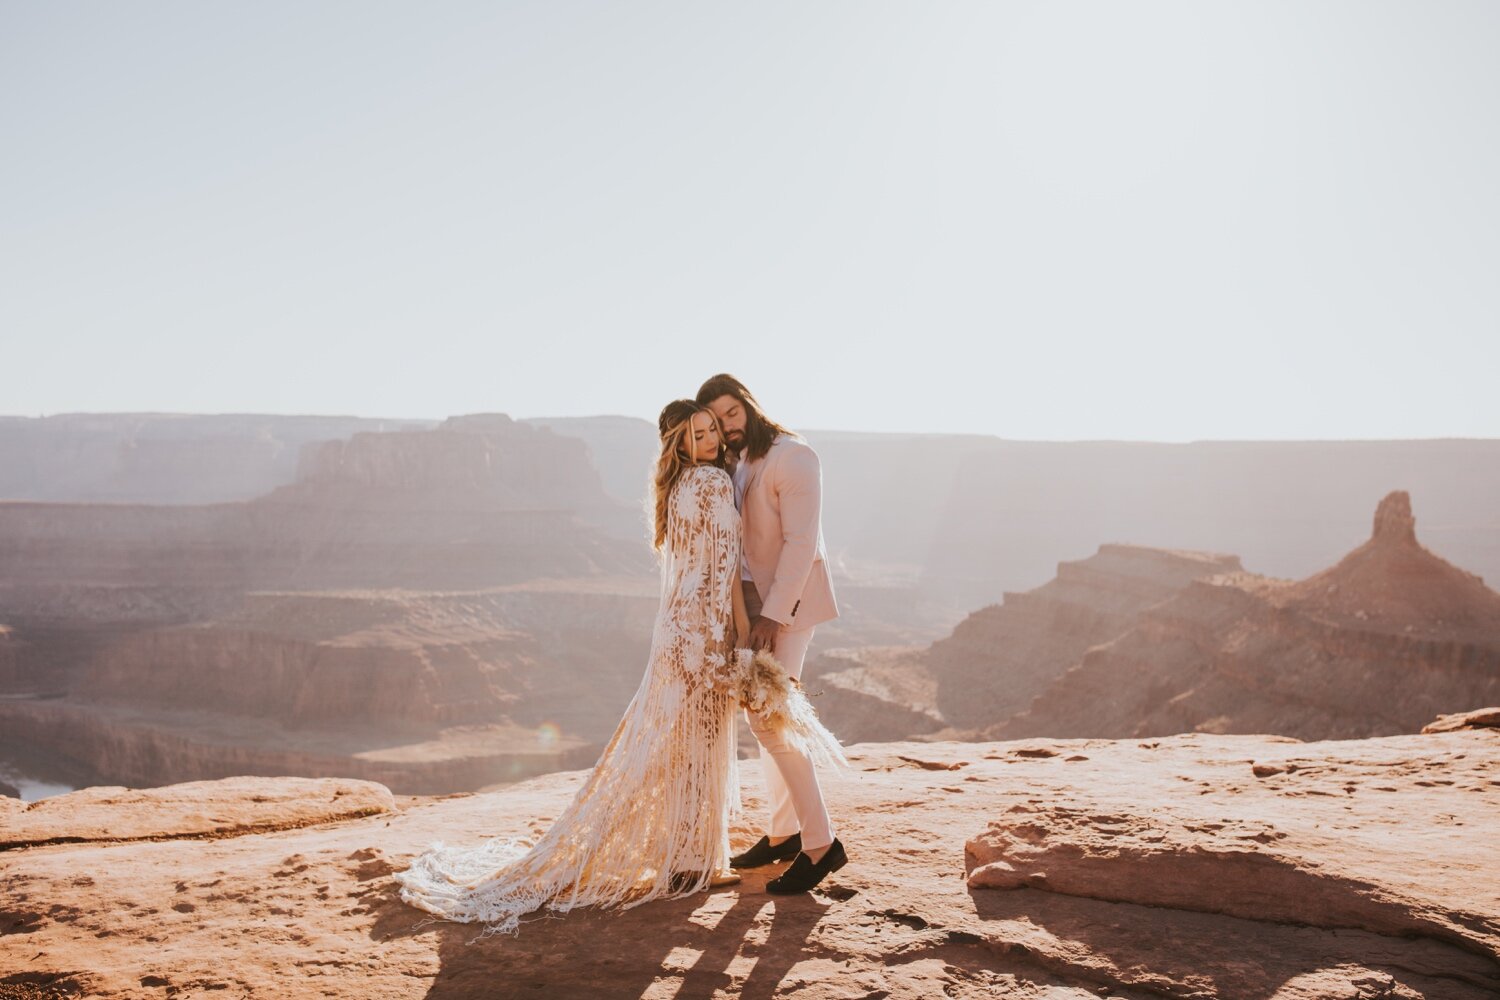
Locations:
{"points": [[760, 430], [675, 425]]}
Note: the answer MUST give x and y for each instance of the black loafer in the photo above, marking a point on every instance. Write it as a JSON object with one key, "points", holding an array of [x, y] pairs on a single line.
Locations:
{"points": [[806, 873], [763, 853]]}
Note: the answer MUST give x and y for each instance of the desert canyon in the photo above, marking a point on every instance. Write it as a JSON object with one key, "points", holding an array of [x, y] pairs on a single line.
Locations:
{"points": [[1208, 720]]}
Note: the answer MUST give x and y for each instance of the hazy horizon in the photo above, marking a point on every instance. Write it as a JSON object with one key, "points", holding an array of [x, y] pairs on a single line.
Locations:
{"points": [[811, 430], [1161, 222]]}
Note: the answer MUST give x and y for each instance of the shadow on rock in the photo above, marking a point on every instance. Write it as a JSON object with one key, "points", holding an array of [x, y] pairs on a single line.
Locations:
{"points": [[738, 939]]}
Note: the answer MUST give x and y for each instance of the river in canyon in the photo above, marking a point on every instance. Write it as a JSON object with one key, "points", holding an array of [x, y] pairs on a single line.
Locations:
{"points": [[34, 777]]}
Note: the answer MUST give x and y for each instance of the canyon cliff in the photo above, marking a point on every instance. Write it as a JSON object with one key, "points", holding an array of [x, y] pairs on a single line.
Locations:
{"points": [[164, 458], [478, 592], [422, 691], [967, 518], [954, 521], [425, 608], [1142, 642], [1387, 638], [477, 501]]}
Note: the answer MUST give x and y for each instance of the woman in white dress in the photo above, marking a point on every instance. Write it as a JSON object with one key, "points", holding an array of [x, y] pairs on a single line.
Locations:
{"points": [[652, 820]]}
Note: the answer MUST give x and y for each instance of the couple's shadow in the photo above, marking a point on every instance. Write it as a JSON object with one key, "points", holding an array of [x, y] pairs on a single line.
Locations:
{"points": [[739, 940]]}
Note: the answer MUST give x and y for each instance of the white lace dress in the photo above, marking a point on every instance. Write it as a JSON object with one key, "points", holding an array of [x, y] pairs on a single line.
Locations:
{"points": [[666, 787]]}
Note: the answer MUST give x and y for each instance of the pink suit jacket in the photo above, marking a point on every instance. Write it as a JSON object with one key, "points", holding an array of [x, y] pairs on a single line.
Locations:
{"points": [[782, 515]]}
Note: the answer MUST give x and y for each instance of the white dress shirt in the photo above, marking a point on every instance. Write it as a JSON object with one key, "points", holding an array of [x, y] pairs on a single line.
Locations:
{"points": [[741, 477]]}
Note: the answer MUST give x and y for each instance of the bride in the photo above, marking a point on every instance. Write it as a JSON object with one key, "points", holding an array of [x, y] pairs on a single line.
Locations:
{"points": [[652, 820]]}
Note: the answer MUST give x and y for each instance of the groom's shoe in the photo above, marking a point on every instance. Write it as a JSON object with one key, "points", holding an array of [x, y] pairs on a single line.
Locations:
{"points": [[763, 853], [806, 873]]}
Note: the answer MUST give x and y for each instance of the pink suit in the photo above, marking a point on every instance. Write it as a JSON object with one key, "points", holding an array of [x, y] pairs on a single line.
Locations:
{"points": [[781, 512]]}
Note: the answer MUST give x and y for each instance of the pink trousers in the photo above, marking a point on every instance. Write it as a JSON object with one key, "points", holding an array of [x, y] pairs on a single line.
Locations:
{"points": [[791, 781]]}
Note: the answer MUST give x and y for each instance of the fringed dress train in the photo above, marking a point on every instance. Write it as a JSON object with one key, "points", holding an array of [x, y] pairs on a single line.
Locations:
{"points": [[660, 799]]}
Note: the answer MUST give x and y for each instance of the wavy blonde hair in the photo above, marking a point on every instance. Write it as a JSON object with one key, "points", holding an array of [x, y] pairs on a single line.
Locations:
{"points": [[675, 425]]}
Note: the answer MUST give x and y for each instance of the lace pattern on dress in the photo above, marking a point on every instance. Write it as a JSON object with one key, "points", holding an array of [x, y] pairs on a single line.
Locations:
{"points": [[666, 787]]}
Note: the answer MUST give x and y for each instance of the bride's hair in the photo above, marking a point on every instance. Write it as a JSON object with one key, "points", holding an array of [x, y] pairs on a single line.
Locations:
{"points": [[676, 428]]}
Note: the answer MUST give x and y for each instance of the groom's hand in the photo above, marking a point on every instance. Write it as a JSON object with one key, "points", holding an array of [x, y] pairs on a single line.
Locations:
{"points": [[763, 632]]}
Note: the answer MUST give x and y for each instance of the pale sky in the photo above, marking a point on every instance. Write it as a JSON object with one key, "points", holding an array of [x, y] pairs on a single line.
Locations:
{"points": [[1059, 221]]}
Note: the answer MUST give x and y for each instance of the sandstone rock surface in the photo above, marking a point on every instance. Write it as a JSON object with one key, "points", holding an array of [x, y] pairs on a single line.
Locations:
{"points": [[1198, 865], [1480, 718], [225, 808]]}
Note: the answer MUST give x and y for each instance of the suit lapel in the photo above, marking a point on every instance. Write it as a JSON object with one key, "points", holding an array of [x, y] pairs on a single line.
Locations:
{"points": [[760, 467]]}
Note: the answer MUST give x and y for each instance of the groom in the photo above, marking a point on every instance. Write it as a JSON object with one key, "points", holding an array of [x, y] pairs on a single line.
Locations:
{"points": [[778, 486]]}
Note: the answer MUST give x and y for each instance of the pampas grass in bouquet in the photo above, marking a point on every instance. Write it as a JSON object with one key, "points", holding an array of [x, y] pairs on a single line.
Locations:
{"points": [[767, 690]]}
